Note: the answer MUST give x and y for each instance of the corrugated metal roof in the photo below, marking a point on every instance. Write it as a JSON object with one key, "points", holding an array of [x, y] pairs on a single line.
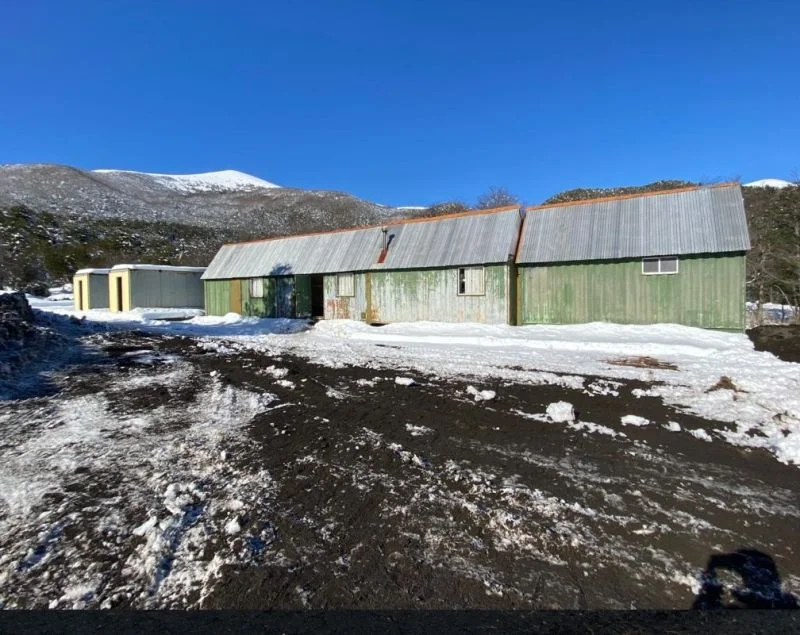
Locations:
{"points": [[317, 253], [696, 221], [90, 271], [467, 239]]}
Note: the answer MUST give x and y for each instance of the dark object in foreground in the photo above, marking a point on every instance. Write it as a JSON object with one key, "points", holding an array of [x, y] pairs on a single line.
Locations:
{"points": [[761, 583], [782, 341]]}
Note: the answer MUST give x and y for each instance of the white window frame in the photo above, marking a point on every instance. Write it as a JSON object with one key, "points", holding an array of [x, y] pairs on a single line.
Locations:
{"points": [[256, 288], [462, 272], [659, 260], [349, 289]]}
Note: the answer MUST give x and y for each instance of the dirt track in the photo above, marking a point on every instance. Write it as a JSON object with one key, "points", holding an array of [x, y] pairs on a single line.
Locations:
{"points": [[361, 493]]}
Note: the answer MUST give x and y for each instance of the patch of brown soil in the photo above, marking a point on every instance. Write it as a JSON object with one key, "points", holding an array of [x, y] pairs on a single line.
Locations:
{"points": [[782, 341], [725, 383], [642, 361]]}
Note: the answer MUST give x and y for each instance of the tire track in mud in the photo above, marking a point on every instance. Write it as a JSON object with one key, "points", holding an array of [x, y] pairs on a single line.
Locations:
{"points": [[343, 489], [541, 515]]}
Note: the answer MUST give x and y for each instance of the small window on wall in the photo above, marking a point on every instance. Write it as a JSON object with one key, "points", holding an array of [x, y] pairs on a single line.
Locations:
{"points": [[470, 281], [256, 287], [345, 285], [658, 266]]}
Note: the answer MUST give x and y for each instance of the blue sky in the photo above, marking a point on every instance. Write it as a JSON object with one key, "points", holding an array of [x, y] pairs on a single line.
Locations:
{"points": [[407, 102]]}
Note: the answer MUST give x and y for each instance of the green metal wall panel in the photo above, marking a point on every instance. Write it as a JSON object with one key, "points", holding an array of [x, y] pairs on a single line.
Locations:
{"points": [[708, 292], [217, 296], [302, 287], [420, 294], [432, 294]]}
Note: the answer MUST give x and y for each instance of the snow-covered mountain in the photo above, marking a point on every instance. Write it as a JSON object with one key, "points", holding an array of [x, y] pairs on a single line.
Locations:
{"points": [[223, 181], [777, 183], [227, 200]]}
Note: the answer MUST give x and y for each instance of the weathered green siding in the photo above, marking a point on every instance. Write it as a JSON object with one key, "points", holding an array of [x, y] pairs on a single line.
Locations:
{"points": [[258, 307], [349, 307], [422, 294], [218, 296], [708, 292], [302, 289]]}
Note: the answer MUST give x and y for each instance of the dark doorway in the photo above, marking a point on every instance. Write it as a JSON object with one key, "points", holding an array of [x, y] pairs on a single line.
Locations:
{"points": [[119, 294], [317, 296], [80, 295]]}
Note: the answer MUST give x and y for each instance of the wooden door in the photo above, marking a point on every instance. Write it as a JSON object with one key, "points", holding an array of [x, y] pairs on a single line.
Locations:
{"points": [[236, 296]]}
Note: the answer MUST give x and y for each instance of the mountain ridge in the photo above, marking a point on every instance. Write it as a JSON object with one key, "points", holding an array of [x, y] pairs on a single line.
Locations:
{"points": [[227, 200], [220, 180]]}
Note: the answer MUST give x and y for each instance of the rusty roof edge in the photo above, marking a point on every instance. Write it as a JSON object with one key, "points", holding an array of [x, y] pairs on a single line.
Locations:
{"points": [[623, 197]]}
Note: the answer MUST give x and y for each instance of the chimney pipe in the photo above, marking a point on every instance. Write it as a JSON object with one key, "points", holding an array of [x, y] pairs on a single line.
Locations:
{"points": [[385, 231]]}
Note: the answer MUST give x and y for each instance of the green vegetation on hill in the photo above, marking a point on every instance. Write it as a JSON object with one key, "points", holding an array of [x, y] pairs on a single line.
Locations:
{"points": [[773, 264], [585, 193], [44, 248]]}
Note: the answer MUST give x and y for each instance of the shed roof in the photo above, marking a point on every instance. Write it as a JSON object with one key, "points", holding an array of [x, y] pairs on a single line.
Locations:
{"points": [[484, 237], [676, 222], [159, 268], [92, 272]]}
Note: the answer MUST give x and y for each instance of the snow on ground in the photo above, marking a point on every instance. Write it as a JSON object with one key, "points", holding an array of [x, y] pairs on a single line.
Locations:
{"points": [[765, 410], [190, 322], [224, 180], [634, 420], [140, 459], [765, 407], [770, 313], [176, 484]]}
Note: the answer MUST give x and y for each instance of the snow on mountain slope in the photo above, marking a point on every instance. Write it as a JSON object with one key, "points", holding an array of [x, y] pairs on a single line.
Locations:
{"points": [[769, 183], [223, 181]]}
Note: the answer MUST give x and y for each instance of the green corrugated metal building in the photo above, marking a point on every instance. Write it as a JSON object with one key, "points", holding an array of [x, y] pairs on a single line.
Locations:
{"points": [[676, 256], [454, 268]]}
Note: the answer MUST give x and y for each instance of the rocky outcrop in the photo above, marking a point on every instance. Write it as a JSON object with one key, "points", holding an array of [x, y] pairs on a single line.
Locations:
{"points": [[22, 340]]}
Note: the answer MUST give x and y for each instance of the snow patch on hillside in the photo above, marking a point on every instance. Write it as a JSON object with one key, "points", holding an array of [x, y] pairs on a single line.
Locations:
{"points": [[222, 181], [779, 183]]}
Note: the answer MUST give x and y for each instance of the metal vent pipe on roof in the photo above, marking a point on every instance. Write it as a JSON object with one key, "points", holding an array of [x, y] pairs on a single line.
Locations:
{"points": [[385, 231]]}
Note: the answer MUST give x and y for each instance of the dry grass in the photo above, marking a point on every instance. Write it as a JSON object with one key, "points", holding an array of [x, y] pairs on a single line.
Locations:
{"points": [[642, 362], [725, 383]]}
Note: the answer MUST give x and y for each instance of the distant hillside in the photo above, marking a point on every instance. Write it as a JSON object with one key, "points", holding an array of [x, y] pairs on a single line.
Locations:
{"points": [[40, 249], [222, 200], [55, 219], [585, 193]]}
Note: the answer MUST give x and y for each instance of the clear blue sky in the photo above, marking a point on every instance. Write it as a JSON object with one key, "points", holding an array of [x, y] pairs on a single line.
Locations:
{"points": [[407, 102]]}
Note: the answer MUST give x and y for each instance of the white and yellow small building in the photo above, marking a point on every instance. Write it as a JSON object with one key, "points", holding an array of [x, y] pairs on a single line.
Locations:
{"points": [[90, 289], [154, 286]]}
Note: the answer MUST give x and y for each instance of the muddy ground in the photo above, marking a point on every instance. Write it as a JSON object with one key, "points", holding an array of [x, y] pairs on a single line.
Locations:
{"points": [[339, 488], [782, 341]]}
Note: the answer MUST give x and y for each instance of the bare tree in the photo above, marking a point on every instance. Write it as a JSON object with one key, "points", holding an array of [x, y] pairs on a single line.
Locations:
{"points": [[496, 197]]}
